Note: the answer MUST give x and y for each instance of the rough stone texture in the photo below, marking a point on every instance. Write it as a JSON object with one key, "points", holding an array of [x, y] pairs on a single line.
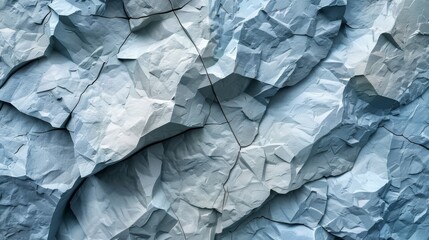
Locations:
{"points": [[262, 228], [355, 198], [251, 37], [25, 38], [214, 119], [38, 172]]}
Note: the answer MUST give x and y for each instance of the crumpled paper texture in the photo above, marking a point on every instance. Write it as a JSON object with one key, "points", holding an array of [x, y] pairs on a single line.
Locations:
{"points": [[222, 119]]}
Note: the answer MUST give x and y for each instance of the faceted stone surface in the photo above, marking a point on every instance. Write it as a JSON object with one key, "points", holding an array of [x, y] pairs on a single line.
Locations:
{"points": [[214, 119]]}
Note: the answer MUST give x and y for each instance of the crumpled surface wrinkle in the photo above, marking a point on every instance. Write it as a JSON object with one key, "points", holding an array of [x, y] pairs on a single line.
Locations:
{"points": [[214, 119]]}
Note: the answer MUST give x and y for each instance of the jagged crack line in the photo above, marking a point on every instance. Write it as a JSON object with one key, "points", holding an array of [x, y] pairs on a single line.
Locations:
{"points": [[217, 99], [45, 17], [147, 16], [229, 176], [92, 83], [406, 138], [208, 76], [80, 96], [27, 63], [120, 47]]}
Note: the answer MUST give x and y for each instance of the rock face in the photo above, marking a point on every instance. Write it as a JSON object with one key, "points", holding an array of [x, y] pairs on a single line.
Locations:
{"points": [[220, 119]]}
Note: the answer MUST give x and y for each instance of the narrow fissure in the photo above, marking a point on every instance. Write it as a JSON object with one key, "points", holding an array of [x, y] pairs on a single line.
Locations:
{"points": [[67, 121], [220, 106], [142, 17], [207, 74], [406, 138]]}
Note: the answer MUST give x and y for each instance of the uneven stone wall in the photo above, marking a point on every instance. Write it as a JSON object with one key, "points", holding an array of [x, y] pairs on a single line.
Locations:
{"points": [[214, 119]]}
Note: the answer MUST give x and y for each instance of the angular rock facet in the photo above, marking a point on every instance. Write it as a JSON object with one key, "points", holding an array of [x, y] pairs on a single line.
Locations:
{"points": [[198, 119]]}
